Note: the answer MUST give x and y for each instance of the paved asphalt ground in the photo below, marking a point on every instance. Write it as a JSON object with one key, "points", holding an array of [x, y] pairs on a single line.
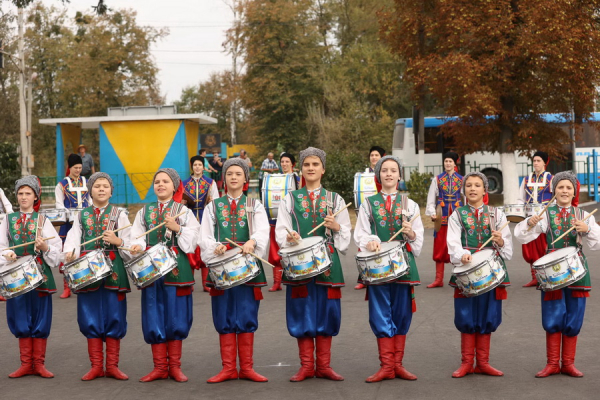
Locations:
{"points": [[432, 352]]}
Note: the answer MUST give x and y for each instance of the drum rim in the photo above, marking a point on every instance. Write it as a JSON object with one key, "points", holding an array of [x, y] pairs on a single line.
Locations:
{"points": [[216, 263], [474, 266], [555, 261], [374, 255], [311, 274], [8, 270], [81, 256], [238, 283], [297, 250]]}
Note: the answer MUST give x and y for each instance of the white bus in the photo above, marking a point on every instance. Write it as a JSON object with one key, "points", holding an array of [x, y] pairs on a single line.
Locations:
{"points": [[405, 142]]}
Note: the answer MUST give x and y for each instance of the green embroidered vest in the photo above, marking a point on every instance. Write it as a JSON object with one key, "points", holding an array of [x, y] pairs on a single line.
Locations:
{"points": [[19, 233], [182, 274], [475, 233], [556, 227], [305, 217], [235, 227], [90, 229], [385, 224]]}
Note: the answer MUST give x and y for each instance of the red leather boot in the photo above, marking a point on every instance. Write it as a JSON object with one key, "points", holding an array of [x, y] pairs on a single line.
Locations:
{"points": [[246, 352], [113, 348], [26, 355], [277, 273], [2, 298], [482, 354], [439, 276], [39, 358], [533, 282], [66, 290], [569, 347], [96, 353], [306, 347], [467, 349], [204, 272], [228, 357], [359, 286], [174, 349], [159, 358], [552, 355], [324, 369], [401, 372], [387, 361]]}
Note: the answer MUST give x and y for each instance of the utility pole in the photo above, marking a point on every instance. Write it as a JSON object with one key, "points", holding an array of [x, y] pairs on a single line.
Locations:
{"points": [[25, 148]]}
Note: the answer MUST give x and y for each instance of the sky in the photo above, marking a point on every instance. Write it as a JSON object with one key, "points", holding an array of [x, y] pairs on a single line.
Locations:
{"points": [[192, 50]]}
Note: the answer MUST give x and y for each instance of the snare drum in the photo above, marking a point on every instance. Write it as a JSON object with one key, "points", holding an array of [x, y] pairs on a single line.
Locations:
{"points": [[305, 260], [20, 277], [364, 186], [73, 214], [58, 216], [559, 269], [274, 188], [386, 265], [532, 209], [151, 265], [87, 269], [232, 269], [514, 212], [482, 274]]}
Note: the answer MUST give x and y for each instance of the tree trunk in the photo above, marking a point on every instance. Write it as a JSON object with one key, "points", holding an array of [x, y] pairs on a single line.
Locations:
{"points": [[510, 177]]}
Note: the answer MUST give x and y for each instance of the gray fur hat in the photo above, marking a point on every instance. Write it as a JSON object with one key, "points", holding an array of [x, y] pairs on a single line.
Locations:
{"points": [[95, 177], [564, 176], [486, 183], [312, 151], [238, 162], [30, 180], [172, 174], [384, 159]]}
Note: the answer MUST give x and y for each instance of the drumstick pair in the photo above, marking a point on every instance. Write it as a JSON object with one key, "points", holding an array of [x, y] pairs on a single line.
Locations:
{"points": [[97, 238], [241, 247], [159, 225], [543, 211], [570, 229], [323, 223]]}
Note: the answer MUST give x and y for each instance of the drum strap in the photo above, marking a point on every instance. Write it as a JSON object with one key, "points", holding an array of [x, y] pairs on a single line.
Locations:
{"points": [[250, 203], [176, 209], [330, 208]]}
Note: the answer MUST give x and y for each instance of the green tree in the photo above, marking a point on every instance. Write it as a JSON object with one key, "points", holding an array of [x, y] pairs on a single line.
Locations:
{"points": [[10, 170]]}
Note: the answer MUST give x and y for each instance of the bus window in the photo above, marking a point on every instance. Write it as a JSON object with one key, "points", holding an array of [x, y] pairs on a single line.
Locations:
{"points": [[398, 142], [433, 141]]}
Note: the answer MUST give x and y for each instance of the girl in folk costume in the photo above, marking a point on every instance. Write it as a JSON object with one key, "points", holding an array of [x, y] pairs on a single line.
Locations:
{"points": [[198, 191], [390, 304], [29, 315], [167, 304], [313, 309], [536, 189], [287, 162], [444, 193], [102, 306], [375, 154], [469, 227], [71, 193], [563, 309], [235, 310]]}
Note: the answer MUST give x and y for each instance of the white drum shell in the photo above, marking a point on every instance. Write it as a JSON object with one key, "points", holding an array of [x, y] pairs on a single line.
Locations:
{"points": [[151, 265], [388, 264], [305, 260], [20, 277], [514, 212], [274, 189], [364, 186], [559, 269], [57, 216], [482, 274], [87, 269], [232, 269], [532, 209]]}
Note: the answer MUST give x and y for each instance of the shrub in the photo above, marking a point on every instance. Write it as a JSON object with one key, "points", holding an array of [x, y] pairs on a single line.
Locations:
{"points": [[10, 169], [418, 187], [339, 173]]}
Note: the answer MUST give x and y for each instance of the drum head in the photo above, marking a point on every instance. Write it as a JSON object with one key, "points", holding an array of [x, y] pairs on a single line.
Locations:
{"points": [[555, 255], [225, 256], [385, 247], [476, 259], [305, 243], [20, 261]]}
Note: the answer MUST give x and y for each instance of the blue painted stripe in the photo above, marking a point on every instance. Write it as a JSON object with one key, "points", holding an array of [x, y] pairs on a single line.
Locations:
{"points": [[303, 267], [383, 270], [482, 282], [146, 271], [559, 278], [15, 285], [239, 272], [82, 273]]}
